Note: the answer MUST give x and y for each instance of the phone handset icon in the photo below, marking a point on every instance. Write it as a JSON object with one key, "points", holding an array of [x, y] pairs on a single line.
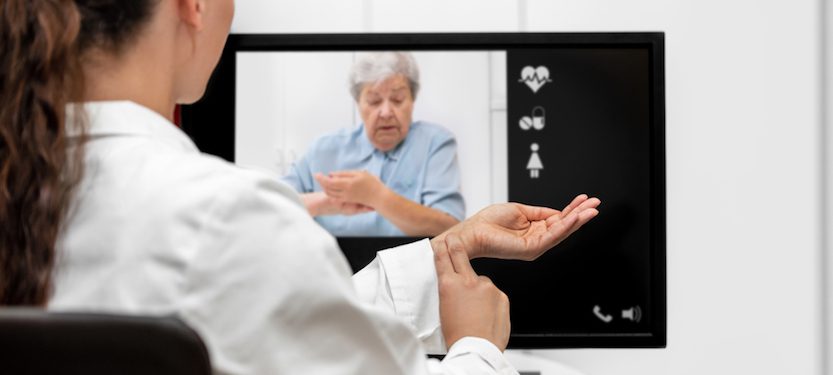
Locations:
{"points": [[598, 311]]}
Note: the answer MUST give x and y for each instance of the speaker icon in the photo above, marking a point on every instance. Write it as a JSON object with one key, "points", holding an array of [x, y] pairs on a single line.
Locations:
{"points": [[633, 314]]}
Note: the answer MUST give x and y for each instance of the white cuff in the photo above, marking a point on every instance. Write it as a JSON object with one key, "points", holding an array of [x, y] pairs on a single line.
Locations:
{"points": [[412, 279], [470, 349]]}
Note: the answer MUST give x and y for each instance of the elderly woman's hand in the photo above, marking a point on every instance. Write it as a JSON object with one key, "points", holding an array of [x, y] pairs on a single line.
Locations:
{"points": [[517, 231], [359, 187], [319, 203]]}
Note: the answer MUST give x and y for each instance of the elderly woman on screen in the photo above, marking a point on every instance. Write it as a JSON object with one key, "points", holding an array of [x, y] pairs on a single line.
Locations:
{"points": [[390, 176]]}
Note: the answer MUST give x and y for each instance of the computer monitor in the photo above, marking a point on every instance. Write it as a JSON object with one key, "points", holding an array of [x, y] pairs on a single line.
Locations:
{"points": [[538, 118]]}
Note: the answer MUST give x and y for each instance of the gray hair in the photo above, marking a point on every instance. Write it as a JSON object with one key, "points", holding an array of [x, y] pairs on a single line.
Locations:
{"points": [[378, 66]]}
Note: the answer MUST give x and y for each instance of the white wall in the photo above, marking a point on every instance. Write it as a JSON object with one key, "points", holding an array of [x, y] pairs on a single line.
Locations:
{"points": [[827, 71], [744, 162], [285, 101]]}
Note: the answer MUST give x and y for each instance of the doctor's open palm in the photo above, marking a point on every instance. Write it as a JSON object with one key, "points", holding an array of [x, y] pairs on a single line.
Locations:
{"points": [[518, 231]]}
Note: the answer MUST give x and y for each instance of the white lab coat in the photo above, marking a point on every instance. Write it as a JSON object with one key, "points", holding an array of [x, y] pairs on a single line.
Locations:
{"points": [[158, 228]]}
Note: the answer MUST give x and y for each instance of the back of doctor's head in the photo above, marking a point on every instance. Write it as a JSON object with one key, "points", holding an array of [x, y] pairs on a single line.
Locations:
{"points": [[374, 67], [43, 45]]}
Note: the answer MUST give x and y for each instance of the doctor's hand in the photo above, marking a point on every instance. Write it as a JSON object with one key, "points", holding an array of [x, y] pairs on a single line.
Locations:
{"points": [[470, 305], [353, 186], [319, 204], [517, 231]]}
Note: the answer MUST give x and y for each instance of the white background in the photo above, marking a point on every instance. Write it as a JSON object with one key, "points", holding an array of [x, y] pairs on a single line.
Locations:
{"points": [[745, 162]]}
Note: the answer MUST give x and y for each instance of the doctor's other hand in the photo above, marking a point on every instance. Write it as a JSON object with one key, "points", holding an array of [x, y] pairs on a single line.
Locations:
{"points": [[470, 305], [518, 231], [319, 204], [353, 186]]}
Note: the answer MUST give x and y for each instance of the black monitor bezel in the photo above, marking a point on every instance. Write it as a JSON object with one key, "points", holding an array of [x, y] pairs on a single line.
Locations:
{"points": [[218, 139]]}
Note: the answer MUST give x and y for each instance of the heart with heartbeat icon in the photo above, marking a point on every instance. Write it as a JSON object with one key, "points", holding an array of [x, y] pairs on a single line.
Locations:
{"points": [[535, 78]]}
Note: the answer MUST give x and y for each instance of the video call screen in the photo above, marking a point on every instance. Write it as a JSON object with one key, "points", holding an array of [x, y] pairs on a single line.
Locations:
{"points": [[537, 119]]}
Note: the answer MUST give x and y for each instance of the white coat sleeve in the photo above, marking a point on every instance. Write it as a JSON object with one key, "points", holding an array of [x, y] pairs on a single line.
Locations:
{"points": [[403, 281], [270, 293]]}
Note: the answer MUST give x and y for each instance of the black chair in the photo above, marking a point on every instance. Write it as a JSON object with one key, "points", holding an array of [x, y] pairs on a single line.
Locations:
{"points": [[39, 342]]}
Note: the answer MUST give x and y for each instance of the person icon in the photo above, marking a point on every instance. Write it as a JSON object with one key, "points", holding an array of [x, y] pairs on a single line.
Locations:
{"points": [[534, 164]]}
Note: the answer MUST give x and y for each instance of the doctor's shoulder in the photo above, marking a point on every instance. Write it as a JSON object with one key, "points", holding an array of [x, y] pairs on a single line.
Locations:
{"points": [[267, 211], [197, 186], [230, 180]]}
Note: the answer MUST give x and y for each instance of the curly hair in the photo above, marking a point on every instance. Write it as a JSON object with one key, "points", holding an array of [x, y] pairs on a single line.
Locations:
{"points": [[43, 43]]}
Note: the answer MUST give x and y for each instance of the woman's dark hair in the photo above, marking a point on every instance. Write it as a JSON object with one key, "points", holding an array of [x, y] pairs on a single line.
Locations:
{"points": [[42, 46]]}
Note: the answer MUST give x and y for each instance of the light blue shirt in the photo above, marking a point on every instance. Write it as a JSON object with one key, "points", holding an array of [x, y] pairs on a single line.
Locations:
{"points": [[423, 168]]}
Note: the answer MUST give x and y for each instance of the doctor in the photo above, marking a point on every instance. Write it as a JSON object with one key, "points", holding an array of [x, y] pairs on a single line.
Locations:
{"points": [[107, 206]]}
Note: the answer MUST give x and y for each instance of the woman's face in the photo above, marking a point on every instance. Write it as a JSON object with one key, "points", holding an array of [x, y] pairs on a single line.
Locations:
{"points": [[386, 108]]}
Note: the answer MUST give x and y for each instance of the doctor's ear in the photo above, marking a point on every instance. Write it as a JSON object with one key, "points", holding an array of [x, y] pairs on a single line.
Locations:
{"points": [[192, 13]]}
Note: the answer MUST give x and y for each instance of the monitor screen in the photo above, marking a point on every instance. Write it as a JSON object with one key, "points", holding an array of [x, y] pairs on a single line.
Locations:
{"points": [[535, 118]]}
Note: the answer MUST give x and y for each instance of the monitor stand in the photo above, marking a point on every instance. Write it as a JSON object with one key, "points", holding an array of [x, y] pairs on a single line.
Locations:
{"points": [[527, 363]]}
